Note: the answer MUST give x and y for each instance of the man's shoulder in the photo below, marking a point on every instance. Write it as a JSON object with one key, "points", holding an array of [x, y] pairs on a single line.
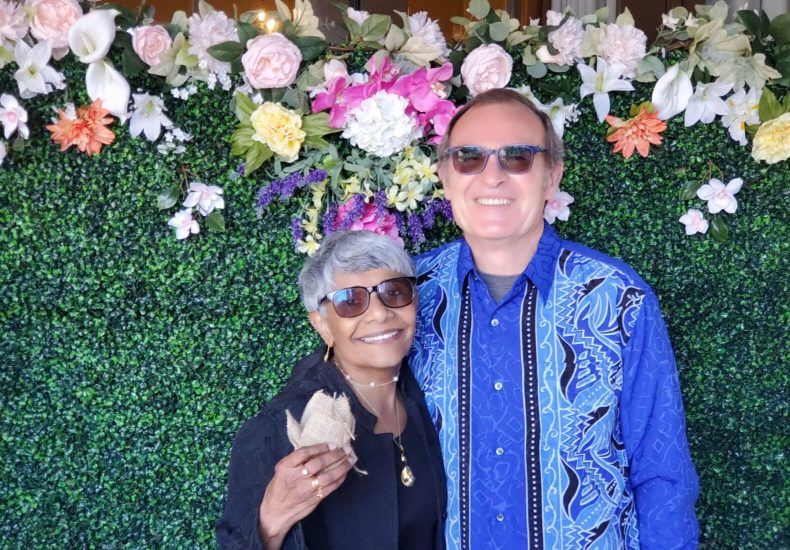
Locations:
{"points": [[423, 261], [584, 262]]}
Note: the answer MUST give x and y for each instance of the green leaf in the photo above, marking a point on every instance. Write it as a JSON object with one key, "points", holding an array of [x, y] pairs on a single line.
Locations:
{"points": [[257, 154], [538, 70], [375, 27], [168, 198], [354, 28], [246, 32], [719, 230], [456, 20], [689, 190], [751, 21], [316, 142], [243, 136], [498, 31], [479, 8], [317, 125], [780, 29], [770, 107], [310, 46], [216, 221], [786, 104], [244, 107], [131, 64], [226, 51]]}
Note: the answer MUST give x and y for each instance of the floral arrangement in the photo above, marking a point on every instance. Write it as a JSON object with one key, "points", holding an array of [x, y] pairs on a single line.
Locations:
{"points": [[349, 128]]}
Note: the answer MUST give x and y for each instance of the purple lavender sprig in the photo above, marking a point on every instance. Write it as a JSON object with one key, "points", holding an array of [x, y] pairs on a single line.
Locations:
{"points": [[285, 188]]}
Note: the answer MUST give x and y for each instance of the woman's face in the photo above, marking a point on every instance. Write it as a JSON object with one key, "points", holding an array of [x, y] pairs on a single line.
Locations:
{"points": [[370, 346]]}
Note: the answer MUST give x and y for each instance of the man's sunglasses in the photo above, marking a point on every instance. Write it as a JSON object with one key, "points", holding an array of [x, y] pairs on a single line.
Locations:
{"points": [[513, 159], [354, 301]]}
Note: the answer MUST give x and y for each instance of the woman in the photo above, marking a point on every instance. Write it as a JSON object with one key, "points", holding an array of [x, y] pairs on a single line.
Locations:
{"points": [[387, 490]]}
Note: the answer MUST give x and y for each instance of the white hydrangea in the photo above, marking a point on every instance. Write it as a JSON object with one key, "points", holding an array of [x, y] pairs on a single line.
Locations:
{"points": [[625, 46], [380, 125], [425, 28], [567, 40], [13, 24], [207, 31]]}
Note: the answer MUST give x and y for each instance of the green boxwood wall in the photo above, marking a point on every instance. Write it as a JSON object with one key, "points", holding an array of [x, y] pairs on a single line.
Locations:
{"points": [[129, 359]]}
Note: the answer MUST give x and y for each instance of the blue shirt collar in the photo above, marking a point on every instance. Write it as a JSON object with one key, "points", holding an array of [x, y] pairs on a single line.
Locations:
{"points": [[540, 269]]}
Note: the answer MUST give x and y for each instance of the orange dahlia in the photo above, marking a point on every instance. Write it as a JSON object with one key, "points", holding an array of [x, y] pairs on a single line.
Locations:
{"points": [[87, 131], [637, 132]]}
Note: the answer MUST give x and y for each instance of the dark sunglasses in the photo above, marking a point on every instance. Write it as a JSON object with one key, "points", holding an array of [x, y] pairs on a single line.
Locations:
{"points": [[355, 300], [513, 159]]}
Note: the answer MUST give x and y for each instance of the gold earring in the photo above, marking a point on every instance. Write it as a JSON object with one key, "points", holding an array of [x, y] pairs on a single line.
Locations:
{"points": [[328, 351]]}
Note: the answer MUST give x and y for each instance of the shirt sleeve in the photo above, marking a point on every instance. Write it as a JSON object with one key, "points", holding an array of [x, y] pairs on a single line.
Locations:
{"points": [[661, 472], [256, 450]]}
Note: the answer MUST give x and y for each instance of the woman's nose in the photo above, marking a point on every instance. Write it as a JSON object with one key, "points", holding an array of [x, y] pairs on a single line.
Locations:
{"points": [[377, 311]]}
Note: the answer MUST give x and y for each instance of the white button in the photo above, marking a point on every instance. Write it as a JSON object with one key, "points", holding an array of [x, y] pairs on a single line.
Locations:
{"points": [[494, 322], [500, 451], [497, 386], [500, 516]]}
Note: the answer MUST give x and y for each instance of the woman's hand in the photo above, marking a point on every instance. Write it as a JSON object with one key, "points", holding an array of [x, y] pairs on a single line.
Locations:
{"points": [[301, 480]]}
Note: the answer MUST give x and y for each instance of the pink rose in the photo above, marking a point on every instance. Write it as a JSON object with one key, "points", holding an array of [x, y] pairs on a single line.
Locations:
{"points": [[52, 20], [370, 220], [485, 68], [271, 61], [150, 42]]}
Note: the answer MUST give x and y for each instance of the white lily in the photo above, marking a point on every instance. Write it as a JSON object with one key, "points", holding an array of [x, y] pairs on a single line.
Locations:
{"points": [[91, 36], [13, 117], [600, 82], [707, 102], [742, 111], [105, 83], [672, 93], [148, 117], [34, 75]]}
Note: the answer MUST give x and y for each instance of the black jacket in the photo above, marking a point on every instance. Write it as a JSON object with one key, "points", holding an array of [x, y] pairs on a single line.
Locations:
{"points": [[363, 512]]}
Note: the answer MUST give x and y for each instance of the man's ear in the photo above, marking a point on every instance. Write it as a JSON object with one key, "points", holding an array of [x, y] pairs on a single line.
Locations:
{"points": [[554, 176], [321, 326], [442, 171]]}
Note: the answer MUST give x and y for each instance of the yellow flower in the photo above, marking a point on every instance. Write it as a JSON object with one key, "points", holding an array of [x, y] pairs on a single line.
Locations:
{"points": [[311, 223], [309, 245], [772, 140], [279, 128], [425, 170]]}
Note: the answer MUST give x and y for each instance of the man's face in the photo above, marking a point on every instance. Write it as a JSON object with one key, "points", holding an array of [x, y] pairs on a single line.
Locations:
{"points": [[497, 207]]}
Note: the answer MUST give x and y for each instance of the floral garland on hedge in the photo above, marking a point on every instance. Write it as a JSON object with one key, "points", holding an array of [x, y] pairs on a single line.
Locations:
{"points": [[349, 128]]}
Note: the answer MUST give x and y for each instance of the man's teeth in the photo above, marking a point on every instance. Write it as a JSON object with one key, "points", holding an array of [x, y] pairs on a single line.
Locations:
{"points": [[494, 202], [380, 337]]}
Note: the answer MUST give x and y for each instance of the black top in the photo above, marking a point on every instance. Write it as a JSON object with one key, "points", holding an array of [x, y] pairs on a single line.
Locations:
{"points": [[364, 512]]}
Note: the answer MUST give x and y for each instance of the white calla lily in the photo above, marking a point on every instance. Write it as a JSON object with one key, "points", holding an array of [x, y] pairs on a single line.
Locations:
{"points": [[105, 83], [91, 36], [599, 82], [672, 93]]}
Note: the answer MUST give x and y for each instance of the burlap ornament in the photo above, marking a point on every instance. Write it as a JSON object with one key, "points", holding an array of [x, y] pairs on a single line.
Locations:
{"points": [[326, 419]]}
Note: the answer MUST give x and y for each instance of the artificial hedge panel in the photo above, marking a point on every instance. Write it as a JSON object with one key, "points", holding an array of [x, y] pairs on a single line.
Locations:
{"points": [[129, 359]]}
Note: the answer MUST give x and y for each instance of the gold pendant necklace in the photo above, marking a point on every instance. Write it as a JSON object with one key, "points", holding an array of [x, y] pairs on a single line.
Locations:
{"points": [[406, 475]]}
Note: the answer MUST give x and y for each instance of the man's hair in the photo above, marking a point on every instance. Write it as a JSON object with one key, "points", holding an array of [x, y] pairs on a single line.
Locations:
{"points": [[349, 252], [506, 96]]}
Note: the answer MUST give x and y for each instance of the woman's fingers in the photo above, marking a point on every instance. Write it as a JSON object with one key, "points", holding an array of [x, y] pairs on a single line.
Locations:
{"points": [[303, 454], [330, 479], [317, 463]]}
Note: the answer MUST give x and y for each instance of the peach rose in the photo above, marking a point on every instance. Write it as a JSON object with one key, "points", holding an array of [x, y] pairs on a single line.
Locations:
{"points": [[52, 20], [271, 61], [150, 42], [485, 68]]}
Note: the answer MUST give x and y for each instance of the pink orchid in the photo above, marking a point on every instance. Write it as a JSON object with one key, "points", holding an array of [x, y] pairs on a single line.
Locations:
{"points": [[422, 89], [334, 100]]}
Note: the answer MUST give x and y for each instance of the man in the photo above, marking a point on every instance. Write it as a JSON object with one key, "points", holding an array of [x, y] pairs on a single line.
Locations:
{"points": [[546, 365]]}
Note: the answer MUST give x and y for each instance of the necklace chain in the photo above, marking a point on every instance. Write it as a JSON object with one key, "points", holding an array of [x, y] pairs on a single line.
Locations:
{"points": [[406, 475]]}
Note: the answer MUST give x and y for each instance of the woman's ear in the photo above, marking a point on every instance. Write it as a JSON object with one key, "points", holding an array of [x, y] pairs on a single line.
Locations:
{"points": [[321, 326]]}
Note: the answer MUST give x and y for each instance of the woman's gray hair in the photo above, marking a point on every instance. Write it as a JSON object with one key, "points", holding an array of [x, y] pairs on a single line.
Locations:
{"points": [[349, 252]]}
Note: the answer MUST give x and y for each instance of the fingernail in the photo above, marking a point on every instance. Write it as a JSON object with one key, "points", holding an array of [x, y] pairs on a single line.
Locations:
{"points": [[332, 446], [352, 460], [347, 448]]}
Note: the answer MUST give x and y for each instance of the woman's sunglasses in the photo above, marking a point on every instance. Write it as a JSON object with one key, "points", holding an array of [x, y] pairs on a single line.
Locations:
{"points": [[355, 300], [513, 159]]}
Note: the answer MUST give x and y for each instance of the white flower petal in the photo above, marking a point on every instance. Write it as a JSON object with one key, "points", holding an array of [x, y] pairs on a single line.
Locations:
{"points": [[602, 104], [672, 93], [91, 36], [105, 83]]}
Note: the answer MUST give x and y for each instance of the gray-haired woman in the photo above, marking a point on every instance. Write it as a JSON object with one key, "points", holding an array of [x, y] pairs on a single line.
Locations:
{"points": [[360, 294]]}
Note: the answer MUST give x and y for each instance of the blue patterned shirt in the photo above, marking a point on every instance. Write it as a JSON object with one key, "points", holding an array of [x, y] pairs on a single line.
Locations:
{"points": [[558, 408]]}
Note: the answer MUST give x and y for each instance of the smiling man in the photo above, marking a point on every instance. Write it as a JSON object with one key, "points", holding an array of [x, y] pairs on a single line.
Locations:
{"points": [[546, 365]]}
